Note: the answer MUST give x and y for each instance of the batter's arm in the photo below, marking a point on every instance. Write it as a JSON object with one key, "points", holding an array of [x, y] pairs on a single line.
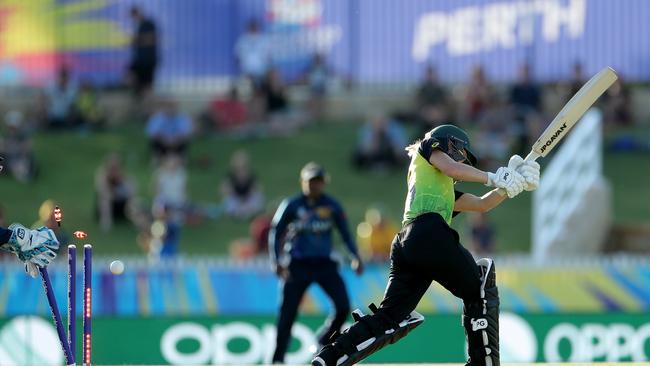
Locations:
{"points": [[458, 171], [471, 203]]}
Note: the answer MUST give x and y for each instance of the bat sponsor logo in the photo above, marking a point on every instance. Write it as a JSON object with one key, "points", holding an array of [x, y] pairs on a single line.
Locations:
{"points": [[553, 137]]}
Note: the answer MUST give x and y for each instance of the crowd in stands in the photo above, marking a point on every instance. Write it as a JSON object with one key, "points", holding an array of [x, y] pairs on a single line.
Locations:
{"points": [[502, 119]]}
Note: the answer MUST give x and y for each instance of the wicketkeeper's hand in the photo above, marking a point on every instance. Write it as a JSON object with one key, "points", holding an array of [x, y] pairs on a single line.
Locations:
{"points": [[507, 179], [36, 248], [528, 169]]}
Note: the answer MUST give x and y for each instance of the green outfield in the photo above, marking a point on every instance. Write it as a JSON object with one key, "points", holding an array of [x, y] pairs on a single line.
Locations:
{"points": [[68, 162], [503, 364]]}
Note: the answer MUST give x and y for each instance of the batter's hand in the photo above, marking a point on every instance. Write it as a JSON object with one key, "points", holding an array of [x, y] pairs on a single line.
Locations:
{"points": [[530, 172], [528, 169], [515, 162], [357, 266], [508, 180]]}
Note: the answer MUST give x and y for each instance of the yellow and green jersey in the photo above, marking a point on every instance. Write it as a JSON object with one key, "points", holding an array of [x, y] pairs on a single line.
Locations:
{"points": [[429, 190]]}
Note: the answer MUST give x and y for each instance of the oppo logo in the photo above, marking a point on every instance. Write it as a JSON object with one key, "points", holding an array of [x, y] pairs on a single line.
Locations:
{"points": [[213, 344], [592, 341]]}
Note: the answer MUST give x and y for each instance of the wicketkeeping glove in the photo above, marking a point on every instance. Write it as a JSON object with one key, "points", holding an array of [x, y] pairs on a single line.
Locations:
{"points": [[36, 248]]}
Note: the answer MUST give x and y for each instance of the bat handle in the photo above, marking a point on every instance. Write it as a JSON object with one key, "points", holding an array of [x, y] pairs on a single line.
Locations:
{"points": [[532, 156]]}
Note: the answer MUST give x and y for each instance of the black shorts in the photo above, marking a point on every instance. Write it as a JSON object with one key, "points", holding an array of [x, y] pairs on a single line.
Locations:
{"points": [[427, 250]]}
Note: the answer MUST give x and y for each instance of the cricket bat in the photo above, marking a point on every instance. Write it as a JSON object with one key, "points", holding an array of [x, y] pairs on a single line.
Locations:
{"points": [[571, 114]]}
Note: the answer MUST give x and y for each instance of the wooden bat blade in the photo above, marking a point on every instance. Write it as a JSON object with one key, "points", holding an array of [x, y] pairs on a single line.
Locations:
{"points": [[573, 111]]}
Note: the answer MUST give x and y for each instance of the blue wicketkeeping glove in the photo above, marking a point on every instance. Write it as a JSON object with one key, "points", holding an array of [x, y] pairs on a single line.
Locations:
{"points": [[36, 248]]}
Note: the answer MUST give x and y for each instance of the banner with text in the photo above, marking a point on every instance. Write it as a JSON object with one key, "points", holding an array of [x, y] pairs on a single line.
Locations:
{"points": [[367, 40], [249, 340]]}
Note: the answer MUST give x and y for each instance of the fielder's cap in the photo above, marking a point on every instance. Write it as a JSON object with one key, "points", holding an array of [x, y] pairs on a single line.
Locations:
{"points": [[312, 170]]}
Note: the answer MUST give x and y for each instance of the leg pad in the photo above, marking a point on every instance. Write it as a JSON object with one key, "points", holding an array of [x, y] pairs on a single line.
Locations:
{"points": [[368, 335], [481, 319]]}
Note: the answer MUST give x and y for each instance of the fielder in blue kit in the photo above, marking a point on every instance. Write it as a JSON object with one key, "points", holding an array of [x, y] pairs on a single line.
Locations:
{"points": [[300, 245]]}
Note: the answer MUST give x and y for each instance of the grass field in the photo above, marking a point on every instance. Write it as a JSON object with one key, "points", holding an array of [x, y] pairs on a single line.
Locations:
{"points": [[68, 162]]}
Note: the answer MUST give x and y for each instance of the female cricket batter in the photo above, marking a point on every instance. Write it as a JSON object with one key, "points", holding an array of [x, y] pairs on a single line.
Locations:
{"points": [[428, 249]]}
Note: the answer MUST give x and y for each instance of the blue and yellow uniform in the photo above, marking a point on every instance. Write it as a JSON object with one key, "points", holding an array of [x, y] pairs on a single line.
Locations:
{"points": [[301, 234], [303, 229]]}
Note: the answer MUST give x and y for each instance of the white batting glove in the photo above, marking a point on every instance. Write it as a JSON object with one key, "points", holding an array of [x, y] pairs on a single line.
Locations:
{"points": [[508, 180], [530, 171], [515, 162]]}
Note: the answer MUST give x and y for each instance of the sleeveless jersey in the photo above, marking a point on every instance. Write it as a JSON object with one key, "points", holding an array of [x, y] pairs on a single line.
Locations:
{"points": [[429, 190]]}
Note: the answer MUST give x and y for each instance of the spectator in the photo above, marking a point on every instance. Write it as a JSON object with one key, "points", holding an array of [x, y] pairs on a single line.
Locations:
{"points": [[259, 232], [227, 114], [253, 54], [115, 192], [376, 235], [87, 110], [258, 241], [431, 100], [525, 95], [577, 80], [17, 148], [616, 105], [381, 144], [171, 186], [526, 101], [243, 197], [144, 53], [496, 129], [163, 239], [58, 101], [482, 234], [282, 120], [169, 130], [275, 94], [479, 93], [317, 76]]}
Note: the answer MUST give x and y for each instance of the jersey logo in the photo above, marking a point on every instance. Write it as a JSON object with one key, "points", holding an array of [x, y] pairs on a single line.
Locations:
{"points": [[324, 212], [479, 324], [435, 144]]}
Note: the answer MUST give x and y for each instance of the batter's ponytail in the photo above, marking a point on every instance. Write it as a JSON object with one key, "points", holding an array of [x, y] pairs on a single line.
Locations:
{"points": [[412, 149]]}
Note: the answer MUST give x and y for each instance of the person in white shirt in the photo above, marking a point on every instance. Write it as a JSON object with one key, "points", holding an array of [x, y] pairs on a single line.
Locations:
{"points": [[253, 53]]}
